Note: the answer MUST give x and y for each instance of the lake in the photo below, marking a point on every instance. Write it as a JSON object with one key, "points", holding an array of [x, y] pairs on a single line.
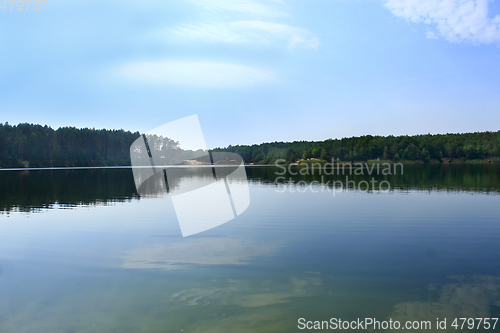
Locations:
{"points": [[80, 251]]}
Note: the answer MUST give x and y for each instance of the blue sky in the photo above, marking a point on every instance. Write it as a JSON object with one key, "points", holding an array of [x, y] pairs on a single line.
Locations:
{"points": [[255, 70]]}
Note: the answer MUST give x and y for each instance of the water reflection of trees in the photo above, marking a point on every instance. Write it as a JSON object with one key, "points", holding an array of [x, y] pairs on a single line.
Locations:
{"points": [[34, 189], [468, 178]]}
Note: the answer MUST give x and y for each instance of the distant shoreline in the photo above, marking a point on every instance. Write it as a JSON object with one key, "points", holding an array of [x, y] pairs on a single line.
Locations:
{"points": [[32, 146], [297, 164]]}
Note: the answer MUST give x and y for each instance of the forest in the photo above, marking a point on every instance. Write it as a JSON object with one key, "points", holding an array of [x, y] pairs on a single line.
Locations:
{"points": [[422, 148], [31, 145]]}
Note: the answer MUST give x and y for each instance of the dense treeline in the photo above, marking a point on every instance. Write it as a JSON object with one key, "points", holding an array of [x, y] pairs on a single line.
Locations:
{"points": [[32, 145], [425, 148]]}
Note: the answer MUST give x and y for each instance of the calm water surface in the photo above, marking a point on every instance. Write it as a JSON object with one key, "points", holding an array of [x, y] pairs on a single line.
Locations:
{"points": [[81, 252]]}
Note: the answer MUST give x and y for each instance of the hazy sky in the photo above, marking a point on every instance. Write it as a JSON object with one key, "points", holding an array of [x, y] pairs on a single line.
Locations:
{"points": [[255, 70]]}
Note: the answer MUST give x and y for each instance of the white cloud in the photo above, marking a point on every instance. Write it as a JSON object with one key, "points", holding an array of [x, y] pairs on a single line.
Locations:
{"points": [[246, 31], [251, 22], [455, 20], [246, 22], [204, 74], [267, 8]]}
